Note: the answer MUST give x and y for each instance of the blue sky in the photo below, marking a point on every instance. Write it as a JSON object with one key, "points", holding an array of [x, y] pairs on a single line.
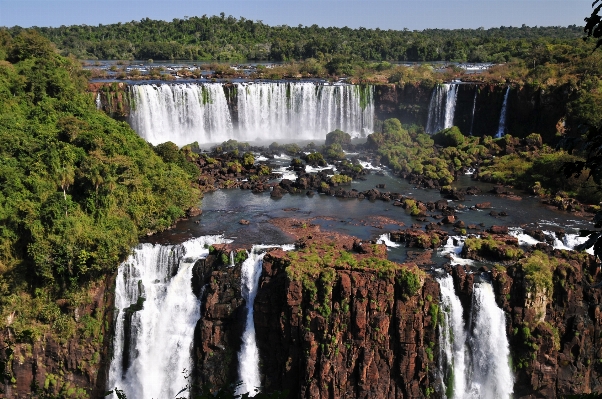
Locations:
{"points": [[399, 14]]}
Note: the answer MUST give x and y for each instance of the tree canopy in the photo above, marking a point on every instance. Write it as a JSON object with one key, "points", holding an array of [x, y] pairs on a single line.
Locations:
{"points": [[77, 188]]}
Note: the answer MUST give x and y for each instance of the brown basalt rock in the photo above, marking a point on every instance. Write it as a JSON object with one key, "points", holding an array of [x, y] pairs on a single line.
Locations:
{"points": [[369, 345], [74, 362]]}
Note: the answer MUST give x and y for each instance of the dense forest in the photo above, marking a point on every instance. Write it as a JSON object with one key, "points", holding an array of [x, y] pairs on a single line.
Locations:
{"points": [[77, 188], [231, 39]]}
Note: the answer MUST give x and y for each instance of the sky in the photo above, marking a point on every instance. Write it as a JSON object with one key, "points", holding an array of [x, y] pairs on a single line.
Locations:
{"points": [[383, 14]]}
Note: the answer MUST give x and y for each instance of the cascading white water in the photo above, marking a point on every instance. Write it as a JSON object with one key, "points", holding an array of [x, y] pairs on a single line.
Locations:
{"points": [[502, 127], [248, 357], [474, 362], [98, 101], [490, 376], [303, 110], [185, 113], [180, 113], [150, 357], [386, 239], [474, 107], [452, 340], [442, 108]]}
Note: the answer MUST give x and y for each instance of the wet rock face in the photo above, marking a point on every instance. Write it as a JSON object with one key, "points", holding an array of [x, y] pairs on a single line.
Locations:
{"points": [[58, 365], [376, 342], [555, 337]]}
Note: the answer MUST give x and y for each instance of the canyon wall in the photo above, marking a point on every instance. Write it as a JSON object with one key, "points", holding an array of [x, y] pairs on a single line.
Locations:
{"points": [[555, 338], [70, 365]]}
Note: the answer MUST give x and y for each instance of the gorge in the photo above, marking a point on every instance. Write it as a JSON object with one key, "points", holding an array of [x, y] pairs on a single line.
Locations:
{"points": [[210, 298]]}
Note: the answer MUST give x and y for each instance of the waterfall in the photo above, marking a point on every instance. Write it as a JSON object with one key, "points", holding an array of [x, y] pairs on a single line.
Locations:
{"points": [[303, 110], [156, 313], [98, 101], [185, 113], [474, 107], [181, 113], [452, 340], [490, 377], [474, 361], [248, 357], [386, 239], [442, 108], [502, 128]]}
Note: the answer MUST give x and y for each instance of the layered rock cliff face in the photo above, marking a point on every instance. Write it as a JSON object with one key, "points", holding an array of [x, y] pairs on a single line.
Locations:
{"points": [[73, 367], [377, 342], [529, 109], [555, 337], [348, 334], [217, 336]]}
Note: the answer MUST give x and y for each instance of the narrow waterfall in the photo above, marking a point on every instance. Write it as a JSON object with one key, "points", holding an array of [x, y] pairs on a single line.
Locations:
{"points": [[185, 113], [248, 357], [156, 313], [490, 377], [442, 108], [181, 113], [474, 361], [98, 101], [452, 340], [474, 107], [501, 131]]}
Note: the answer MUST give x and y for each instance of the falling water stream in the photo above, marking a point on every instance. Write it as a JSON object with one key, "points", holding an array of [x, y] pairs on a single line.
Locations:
{"points": [[185, 113], [248, 357], [474, 360], [156, 313], [442, 108], [502, 127]]}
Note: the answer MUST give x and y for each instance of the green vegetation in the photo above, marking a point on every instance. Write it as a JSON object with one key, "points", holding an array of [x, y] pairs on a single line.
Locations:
{"points": [[341, 179], [338, 137], [487, 246], [410, 280], [227, 38], [541, 172], [539, 269], [77, 188], [413, 151]]}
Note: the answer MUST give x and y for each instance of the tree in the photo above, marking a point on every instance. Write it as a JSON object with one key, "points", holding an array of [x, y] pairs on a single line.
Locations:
{"points": [[591, 146], [593, 26]]}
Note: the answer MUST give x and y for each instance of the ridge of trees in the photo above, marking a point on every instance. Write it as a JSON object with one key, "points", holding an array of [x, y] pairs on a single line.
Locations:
{"points": [[231, 39]]}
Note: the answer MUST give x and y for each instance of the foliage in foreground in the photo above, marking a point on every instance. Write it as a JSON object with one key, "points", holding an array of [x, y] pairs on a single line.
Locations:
{"points": [[77, 188]]}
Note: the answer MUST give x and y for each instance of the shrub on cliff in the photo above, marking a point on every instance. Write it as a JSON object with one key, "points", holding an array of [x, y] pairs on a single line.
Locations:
{"points": [[451, 137], [338, 137]]}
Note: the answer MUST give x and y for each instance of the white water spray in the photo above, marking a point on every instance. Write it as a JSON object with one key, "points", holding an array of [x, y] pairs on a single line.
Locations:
{"points": [[248, 357], [303, 110], [180, 113], [490, 376], [474, 362], [386, 239], [150, 356], [452, 340], [185, 113], [442, 108], [501, 131]]}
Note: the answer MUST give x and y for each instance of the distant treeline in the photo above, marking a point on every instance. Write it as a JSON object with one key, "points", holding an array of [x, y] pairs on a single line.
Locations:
{"points": [[231, 39]]}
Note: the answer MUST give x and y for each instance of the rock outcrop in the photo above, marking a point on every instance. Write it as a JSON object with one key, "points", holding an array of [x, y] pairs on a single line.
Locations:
{"points": [[69, 364]]}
